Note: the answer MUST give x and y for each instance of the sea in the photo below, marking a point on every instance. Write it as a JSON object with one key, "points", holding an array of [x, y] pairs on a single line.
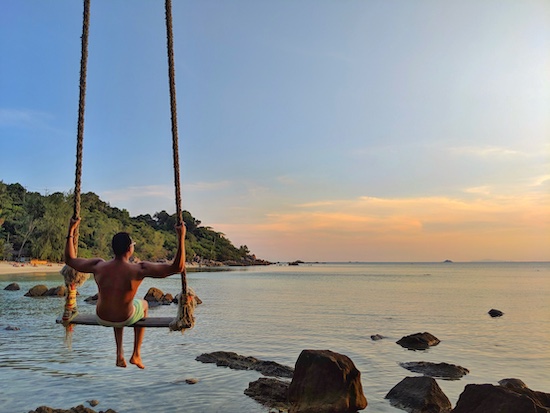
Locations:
{"points": [[273, 313]]}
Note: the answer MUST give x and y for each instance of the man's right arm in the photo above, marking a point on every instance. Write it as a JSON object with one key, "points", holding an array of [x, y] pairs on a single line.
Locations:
{"points": [[162, 270], [79, 264]]}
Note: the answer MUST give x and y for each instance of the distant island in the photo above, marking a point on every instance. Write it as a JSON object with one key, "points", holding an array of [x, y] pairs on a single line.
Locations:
{"points": [[34, 226], [447, 261]]}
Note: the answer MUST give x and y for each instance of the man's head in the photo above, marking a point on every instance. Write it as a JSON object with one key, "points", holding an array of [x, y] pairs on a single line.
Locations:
{"points": [[122, 243]]}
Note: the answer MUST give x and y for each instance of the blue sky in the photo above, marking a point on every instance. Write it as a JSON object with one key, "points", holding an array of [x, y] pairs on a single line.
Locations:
{"points": [[315, 130]]}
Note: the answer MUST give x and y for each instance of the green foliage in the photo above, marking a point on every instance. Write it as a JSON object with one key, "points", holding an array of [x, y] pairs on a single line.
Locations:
{"points": [[32, 225]]}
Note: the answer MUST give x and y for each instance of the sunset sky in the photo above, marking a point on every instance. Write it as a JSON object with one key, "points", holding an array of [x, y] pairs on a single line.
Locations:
{"points": [[320, 130]]}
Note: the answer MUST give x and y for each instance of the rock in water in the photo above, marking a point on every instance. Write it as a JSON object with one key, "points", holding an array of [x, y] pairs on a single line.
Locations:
{"points": [[495, 313], [12, 287], [419, 395], [37, 291], [436, 370], [272, 393], [486, 398], [418, 341], [325, 381]]}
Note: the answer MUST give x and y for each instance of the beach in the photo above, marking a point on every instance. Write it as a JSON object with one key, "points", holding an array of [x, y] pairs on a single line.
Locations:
{"points": [[11, 267]]}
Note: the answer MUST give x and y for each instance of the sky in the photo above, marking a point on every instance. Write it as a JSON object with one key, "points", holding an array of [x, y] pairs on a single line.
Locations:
{"points": [[319, 130]]}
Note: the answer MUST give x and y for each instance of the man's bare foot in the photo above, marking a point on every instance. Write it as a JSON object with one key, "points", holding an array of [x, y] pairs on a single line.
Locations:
{"points": [[137, 361], [121, 362]]}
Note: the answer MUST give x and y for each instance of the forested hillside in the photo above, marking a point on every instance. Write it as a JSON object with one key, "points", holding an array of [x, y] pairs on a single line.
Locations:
{"points": [[34, 225]]}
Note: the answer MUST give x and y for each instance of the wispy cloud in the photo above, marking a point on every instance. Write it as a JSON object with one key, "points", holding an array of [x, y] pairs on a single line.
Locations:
{"points": [[540, 181], [370, 228], [123, 195], [486, 151], [206, 186], [24, 118]]}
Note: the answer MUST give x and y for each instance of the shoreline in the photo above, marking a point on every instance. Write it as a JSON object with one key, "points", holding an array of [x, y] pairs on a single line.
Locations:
{"points": [[12, 267]]}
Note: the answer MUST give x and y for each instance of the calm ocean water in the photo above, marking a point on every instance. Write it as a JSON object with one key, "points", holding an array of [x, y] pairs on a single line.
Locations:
{"points": [[273, 313]]}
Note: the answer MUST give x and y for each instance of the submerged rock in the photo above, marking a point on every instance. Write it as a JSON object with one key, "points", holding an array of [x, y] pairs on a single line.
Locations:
{"points": [[12, 287], [78, 409], [441, 370], [419, 395], [92, 299], [269, 392], [238, 362], [418, 341], [486, 398], [376, 337], [325, 381]]}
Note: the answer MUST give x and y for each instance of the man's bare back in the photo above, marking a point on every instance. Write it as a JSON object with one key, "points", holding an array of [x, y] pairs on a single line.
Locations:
{"points": [[118, 282]]}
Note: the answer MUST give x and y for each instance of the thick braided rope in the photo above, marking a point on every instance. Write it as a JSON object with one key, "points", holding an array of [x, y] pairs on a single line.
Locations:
{"points": [[173, 107], [72, 277], [81, 107], [186, 302]]}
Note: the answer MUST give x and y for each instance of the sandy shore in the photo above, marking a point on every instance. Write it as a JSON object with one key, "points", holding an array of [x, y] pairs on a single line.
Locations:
{"points": [[8, 267]]}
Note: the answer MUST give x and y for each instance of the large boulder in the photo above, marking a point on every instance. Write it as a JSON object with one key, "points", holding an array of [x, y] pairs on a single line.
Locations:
{"points": [[325, 381], [486, 398], [37, 291], [419, 395], [156, 297], [436, 370], [12, 287], [269, 392], [418, 341], [237, 362]]}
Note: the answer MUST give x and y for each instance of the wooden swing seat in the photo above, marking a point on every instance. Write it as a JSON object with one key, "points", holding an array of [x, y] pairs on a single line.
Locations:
{"points": [[90, 320]]}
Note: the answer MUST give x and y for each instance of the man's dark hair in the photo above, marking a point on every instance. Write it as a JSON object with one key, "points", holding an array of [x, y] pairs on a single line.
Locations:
{"points": [[121, 243]]}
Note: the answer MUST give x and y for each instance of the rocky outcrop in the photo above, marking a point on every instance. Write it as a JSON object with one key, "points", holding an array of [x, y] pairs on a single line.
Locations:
{"points": [[37, 291], [43, 291], [60, 291], [272, 393], [495, 313], [156, 297], [436, 370], [325, 381], [486, 398], [12, 287], [418, 341], [376, 337], [238, 362], [419, 395]]}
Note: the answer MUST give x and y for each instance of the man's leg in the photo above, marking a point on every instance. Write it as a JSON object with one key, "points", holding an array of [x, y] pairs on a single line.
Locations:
{"points": [[138, 339], [120, 362]]}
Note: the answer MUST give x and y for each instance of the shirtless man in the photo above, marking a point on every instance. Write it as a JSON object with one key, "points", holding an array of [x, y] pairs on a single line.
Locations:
{"points": [[118, 280]]}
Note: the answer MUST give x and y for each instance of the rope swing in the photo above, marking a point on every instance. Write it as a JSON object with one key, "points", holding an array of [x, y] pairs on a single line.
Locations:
{"points": [[73, 279], [186, 301]]}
